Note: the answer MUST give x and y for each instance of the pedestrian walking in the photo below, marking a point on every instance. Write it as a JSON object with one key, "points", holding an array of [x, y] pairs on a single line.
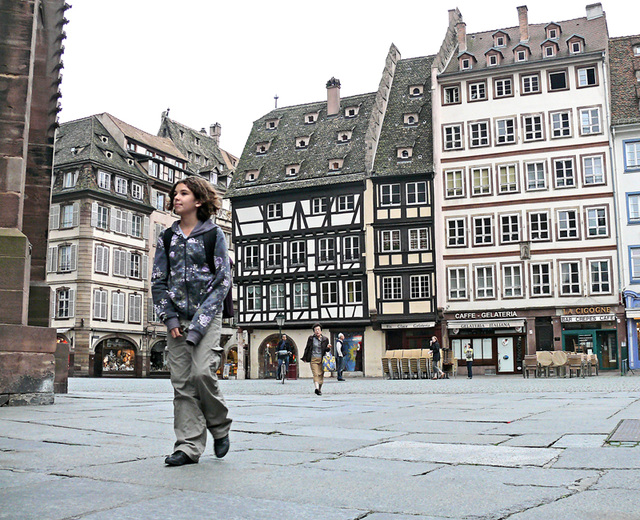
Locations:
{"points": [[188, 296], [317, 346], [340, 356], [435, 358], [468, 354]]}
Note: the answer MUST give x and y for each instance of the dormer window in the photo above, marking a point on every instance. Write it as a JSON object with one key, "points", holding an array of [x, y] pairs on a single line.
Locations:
{"points": [[335, 165], [521, 55], [465, 63], [576, 48], [104, 139], [492, 60], [261, 148], [552, 34], [411, 119], [351, 111], [252, 175], [130, 162], [197, 141], [636, 50], [302, 142], [575, 44], [292, 170], [549, 49], [405, 153], [272, 124], [108, 154], [416, 90], [500, 39], [344, 136], [311, 118]]}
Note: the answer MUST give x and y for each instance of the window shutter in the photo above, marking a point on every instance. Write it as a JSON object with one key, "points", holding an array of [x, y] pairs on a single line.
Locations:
{"points": [[54, 217], [145, 266], [154, 196], [53, 260], [99, 254], [129, 223], [52, 305], [114, 223], [73, 260], [72, 303], [94, 214], [96, 304], [127, 268], [75, 218], [145, 228], [105, 260]]}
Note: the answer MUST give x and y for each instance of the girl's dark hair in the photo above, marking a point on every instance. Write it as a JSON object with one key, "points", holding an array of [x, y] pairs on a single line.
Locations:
{"points": [[203, 192]]}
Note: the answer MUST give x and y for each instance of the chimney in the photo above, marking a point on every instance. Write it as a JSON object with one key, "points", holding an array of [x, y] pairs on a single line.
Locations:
{"points": [[523, 20], [333, 96], [461, 27], [594, 11], [215, 131]]}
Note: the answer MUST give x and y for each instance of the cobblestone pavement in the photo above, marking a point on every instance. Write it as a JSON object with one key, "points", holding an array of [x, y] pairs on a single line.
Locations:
{"points": [[488, 448]]}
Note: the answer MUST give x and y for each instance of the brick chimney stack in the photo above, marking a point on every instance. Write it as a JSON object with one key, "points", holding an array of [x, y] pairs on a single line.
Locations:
{"points": [[523, 19], [215, 131], [461, 28], [333, 96]]}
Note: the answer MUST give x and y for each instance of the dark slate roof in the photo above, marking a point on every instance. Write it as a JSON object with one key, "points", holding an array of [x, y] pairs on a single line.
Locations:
{"points": [[593, 31], [154, 142], [625, 90], [314, 159], [395, 134], [184, 138], [82, 141]]}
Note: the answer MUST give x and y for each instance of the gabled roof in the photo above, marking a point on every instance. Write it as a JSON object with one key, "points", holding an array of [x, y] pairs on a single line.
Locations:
{"points": [[395, 134], [83, 140], [593, 30], [185, 137], [314, 158], [625, 91], [162, 144]]}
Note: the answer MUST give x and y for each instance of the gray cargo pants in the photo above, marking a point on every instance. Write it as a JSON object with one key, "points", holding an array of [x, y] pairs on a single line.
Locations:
{"points": [[198, 404]]}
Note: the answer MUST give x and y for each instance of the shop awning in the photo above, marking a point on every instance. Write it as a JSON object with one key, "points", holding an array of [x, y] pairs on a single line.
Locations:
{"points": [[484, 324], [414, 325]]}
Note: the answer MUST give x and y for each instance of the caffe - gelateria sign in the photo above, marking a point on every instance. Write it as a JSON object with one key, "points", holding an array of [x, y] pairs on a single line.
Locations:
{"points": [[485, 320], [587, 314]]}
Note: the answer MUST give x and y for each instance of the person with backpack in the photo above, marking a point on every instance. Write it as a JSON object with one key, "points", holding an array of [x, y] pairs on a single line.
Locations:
{"points": [[468, 354], [189, 292]]}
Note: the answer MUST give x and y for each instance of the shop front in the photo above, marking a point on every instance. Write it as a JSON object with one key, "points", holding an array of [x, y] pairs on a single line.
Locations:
{"points": [[408, 335], [116, 357], [593, 330], [498, 339], [632, 313]]}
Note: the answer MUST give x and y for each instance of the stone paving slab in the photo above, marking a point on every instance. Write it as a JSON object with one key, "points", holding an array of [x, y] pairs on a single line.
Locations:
{"points": [[580, 441], [457, 454]]}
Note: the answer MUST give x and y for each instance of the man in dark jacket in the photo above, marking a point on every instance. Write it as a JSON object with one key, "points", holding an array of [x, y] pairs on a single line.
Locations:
{"points": [[283, 351], [317, 345]]}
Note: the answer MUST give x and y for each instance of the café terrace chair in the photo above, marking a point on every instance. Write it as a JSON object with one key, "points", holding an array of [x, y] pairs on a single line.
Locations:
{"points": [[545, 360], [530, 365]]}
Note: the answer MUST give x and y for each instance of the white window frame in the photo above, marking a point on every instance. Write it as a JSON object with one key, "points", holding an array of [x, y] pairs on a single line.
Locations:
{"points": [[541, 279], [454, 180], [593, 167], [353, 292], [327, 250], [532, 127], [121, 185], [505, 131], [478, 91], [561, 124], [329, 293], [584, 79], [590, 121], [420, 287], [597, 222], [254, 298], [479, 135], [277, 297], [536, 175], [419, 239], [485, 282], [101, 261], [137, 191], [274, 254], [485, 237], [104, 180], [274, 210], [539, 229], [251, 257], [135, 308], [457, 283], [392, 288], [65, 303], [456, 232], [298, 253], [631, 155], [416, 193], [599, 279], [452, 137], [568, 226], [390, 241], [318, 205], [346, 202], [570, 287], [512, 285], [510, 228], [530, 84], [135, 266], [503, 87], [390, 195], [351, 248], [100, 304], [118, 302], [564, 173], [301, 295], [69, 179], [481, 181], [508, 178], [451, 94]]}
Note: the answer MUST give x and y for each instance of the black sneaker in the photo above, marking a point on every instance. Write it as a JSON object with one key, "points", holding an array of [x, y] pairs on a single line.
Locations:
{"points": [[221, 446], [179, 458]]}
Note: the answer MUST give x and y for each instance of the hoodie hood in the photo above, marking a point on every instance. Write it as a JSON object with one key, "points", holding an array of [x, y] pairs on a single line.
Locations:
{"points": [[200, 229]]}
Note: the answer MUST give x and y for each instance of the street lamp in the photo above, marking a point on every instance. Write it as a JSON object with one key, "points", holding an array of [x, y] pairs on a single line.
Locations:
{"points": [[280, 321]]}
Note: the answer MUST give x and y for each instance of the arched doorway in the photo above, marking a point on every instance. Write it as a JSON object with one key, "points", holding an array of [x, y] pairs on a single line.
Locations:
{"points": [[158, 358], [117, 356], [268, 361]]}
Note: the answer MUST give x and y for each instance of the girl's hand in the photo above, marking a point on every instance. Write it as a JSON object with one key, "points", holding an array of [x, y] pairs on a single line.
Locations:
{"points": [[175, 332]]}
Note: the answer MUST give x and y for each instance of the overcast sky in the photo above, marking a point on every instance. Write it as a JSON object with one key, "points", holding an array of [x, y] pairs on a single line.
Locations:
{"points": [[224, 61]]}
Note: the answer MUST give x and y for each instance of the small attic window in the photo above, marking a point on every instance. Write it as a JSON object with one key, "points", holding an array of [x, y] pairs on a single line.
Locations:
{"points": [[311, 118], [521, 56], [500, 41], [197, 141], [492, 60], [302, 142], [252, 175], [416, 90], [636, 50], [575, 47], [181, 133], [131, 146], [272, 124], [335, 165], [405, 153], [262, 148], [411, 119], [130, 162], [292, 170], [344, 136], [108, 154], [351, 111], [465, 63], [104, 138], [549, 51], [552, 33]]}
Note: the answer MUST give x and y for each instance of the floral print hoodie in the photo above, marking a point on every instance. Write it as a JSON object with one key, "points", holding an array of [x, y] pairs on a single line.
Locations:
{"points": [[184, 287]]}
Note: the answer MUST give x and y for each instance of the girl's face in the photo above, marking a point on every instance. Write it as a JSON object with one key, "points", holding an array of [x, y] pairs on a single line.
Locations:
{"points": [[184, 201]]}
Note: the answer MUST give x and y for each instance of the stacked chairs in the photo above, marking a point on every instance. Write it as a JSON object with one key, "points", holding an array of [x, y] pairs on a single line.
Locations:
{"points": [[407, 364]]}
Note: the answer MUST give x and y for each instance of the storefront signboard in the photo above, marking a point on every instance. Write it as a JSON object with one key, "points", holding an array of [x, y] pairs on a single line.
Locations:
{"points": [[587, 318], [417, 325], [484, 324]]}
